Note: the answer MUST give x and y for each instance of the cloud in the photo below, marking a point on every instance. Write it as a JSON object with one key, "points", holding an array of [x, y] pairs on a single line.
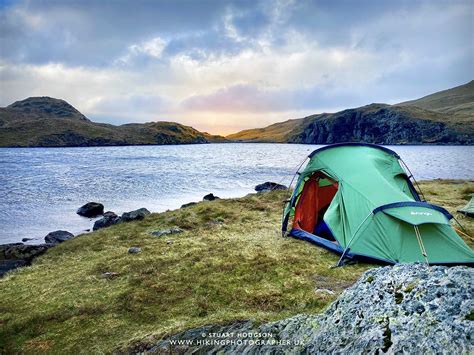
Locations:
{"points": [[221, 65]]}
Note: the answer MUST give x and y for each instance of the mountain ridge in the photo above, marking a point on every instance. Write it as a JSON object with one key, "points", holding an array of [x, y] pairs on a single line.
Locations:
{"points": [[448, 121], [49, 122]]}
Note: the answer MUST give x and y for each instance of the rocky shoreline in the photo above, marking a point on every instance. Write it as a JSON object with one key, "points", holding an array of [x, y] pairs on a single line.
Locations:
{"points": [[15, 255]]}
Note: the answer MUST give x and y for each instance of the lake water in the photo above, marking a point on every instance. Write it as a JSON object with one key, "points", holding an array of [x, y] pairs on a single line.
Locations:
{"points": [[41, 188]]}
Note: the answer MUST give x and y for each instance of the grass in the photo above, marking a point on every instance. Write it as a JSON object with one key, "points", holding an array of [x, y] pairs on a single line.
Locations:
{"points": [[452, 195], [229, 264]]}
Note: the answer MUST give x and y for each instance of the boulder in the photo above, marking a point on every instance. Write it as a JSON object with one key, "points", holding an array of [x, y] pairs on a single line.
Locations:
{"points": [[134, 250], [210, 197], [57, 237], [16, 255], [135, 215], [91, 209], [269, 186], [407, 308], [167, 232], [189, 204], [108, 219]]}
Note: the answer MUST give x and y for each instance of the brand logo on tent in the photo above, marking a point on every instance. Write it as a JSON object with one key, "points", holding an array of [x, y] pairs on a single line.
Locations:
{"points": [[413, 213]]}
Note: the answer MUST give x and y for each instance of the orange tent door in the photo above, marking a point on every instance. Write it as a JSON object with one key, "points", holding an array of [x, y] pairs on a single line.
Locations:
{"points": [[313, 198]]}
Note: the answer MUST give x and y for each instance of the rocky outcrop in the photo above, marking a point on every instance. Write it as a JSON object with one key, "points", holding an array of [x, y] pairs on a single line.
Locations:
{"points": [[91, 210], [269, 186], [408, 308], [57, 237], [16, 255], [382, 124], [108, 219], [210, 197], [135, 215]]}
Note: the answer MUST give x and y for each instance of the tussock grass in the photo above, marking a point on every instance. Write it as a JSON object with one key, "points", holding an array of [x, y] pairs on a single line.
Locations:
{"points": [[230, 264]]}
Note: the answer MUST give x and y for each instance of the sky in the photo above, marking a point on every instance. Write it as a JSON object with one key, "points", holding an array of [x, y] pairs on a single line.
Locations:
{"points": [[223, 66]]}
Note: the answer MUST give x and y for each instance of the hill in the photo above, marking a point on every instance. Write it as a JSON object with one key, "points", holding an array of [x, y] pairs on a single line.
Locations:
{"points": [[90, 295], [455, 101], [276, 133], [49, 122], [441, 118]]}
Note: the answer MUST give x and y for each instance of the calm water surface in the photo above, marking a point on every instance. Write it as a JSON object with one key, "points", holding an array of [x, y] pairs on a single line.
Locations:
{"points": [[41, 188]]}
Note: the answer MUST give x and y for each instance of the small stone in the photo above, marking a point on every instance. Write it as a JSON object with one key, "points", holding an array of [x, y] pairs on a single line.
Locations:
{"points": [[159, 233], [169, 242], [269, 186], [134, 250], [188, 204], [109, 275], [27, 239], [324, 290]]}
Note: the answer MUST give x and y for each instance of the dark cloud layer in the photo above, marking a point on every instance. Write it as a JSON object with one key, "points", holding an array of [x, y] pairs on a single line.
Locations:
{"points": [[233, 56]]}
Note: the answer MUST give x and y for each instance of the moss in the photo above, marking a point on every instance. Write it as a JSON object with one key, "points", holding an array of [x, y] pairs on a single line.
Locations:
{"points": [[410, 287]]}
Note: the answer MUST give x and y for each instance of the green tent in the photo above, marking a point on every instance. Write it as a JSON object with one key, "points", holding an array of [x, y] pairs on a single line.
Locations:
{"points": [[468, 210], [357, 200]]}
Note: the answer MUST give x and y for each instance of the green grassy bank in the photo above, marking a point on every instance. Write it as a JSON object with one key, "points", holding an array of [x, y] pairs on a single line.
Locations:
{"points": [[229, 264]]}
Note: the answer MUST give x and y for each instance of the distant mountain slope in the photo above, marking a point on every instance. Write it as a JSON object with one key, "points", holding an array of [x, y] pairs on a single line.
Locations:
{"points": [[450, 122], [48, 122], [458, 100], [277, 132]]}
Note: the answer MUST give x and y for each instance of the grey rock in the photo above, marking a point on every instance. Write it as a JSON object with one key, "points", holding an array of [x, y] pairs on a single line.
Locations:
{"points": [[91, 209], [57, 237], [189, 204], [108, 219], [135, 215], [161, 232], [210, 197], [16, 255], [134, 250], [269, 186], [27, 239], [109, 275], [324, 291], [388, 310]]}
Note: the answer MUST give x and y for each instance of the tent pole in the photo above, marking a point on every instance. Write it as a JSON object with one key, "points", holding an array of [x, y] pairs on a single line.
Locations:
{"points": [[420, 243], [416, 182], [289, 189], [339, 263], [463, 229]]}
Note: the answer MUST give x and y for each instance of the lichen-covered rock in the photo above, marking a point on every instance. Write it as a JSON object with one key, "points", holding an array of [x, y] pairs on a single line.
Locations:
{"points": [[407, 308]]}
